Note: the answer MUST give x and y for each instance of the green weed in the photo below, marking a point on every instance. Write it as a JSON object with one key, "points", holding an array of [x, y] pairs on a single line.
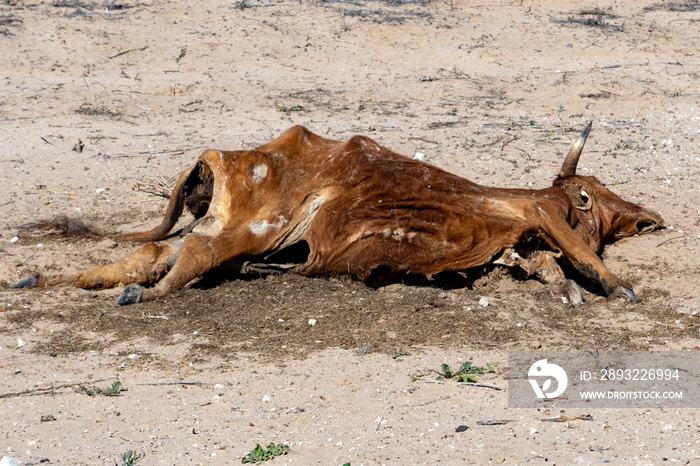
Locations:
{"points": [[130, 458], [260, 454], [466, 373], [114, 390]]}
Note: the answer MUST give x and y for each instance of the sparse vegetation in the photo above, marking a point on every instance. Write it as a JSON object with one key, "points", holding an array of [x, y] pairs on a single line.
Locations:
{"points": [[398, 353], [130, 458], [260, 454], [114, 390], [293, 108], [466, 373], [623, 145]]}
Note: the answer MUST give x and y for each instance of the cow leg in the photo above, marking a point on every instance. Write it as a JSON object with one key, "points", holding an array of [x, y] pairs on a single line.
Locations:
{"points": [[543, 266], [583, 257], [145, 267], [199, 254]]}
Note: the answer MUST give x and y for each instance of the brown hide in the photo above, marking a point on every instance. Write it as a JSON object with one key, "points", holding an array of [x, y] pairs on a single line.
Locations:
{"points": [[359, 206]]}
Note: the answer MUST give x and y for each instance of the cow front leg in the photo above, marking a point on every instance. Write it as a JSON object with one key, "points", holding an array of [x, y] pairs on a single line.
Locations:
{"points": [[582, 256], [146, 266], [544, 267]]}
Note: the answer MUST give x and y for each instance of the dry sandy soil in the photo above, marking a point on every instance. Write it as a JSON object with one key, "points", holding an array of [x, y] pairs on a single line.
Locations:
{"points": [[102, 102]]}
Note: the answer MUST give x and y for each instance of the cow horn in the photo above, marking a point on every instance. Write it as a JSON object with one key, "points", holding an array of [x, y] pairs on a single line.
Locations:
{"points": [[568, 168]]}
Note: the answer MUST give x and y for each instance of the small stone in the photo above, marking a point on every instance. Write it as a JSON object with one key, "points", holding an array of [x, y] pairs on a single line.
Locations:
{"points": [[419, 156], [47, 418], [312, 322], [7, 461], [266, 398], [107, 243], [461, 428], [13, 240], [484, 302], [536, 344], [21, 343]]}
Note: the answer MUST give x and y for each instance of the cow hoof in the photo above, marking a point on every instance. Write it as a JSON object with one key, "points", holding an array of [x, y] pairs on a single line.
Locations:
{"points": [[573, 292], [624, 292], [131, 294], [30, 281]]}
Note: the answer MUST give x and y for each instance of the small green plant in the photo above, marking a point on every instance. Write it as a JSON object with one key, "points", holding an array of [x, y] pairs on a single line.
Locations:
{"points": [[114, 390], [293, 108], [241, 5], [466, 373], [260, 454], [561, 108], [547, 135], [623, 145], [531, 122], [398, 353], [130, 458]]}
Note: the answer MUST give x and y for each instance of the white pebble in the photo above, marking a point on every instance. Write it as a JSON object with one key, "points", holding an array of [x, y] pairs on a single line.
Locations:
{"points": [[312, 322], [14, 240], [7, 461], [419, 156], [21, 343], [484, 302], [266, 398]]}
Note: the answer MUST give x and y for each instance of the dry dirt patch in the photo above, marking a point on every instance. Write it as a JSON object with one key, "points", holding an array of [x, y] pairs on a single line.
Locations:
{"points": [[96, 96]]}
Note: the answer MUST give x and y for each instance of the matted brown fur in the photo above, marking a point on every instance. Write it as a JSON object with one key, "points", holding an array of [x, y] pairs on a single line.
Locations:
{"points": [[360, 206]]}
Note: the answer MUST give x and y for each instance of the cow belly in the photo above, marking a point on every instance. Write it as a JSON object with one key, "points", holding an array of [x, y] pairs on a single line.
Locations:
{"points": [[403, 250]]}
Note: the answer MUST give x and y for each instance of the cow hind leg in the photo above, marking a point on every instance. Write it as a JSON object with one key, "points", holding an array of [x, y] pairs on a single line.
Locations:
{"points": [[148, 265], [543, 266], [196, 257]]}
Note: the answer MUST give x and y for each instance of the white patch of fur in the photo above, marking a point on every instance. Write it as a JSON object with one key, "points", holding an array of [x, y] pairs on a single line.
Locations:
{"points": [[263, 226], [259, 173]]}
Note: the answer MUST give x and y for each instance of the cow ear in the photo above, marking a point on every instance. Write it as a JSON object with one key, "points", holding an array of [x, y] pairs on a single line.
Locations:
{"points": [[580, 199]]}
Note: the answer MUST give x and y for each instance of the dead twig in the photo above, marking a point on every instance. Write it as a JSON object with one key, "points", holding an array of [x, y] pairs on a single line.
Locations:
{"points": [[484, 385], [508, 141], [583, 417], [619, 182], [170, 383], [142, 154], [494, 422], [127, 51], [48, 390], [157, 185], [381, 419], [671, 239]]}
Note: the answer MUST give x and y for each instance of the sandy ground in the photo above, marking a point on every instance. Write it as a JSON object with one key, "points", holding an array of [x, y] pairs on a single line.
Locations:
{"points": [[100, 102]]}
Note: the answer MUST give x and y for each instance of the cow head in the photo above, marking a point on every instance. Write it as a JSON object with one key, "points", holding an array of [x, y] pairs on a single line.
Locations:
{"points": [[600, 216]]}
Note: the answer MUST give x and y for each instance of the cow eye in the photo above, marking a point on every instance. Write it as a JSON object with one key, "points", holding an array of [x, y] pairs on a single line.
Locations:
{"points": [[584, 197]]}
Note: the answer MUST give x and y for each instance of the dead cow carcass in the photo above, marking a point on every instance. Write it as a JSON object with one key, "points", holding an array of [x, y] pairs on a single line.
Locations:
{"points": [[360, 206]]}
